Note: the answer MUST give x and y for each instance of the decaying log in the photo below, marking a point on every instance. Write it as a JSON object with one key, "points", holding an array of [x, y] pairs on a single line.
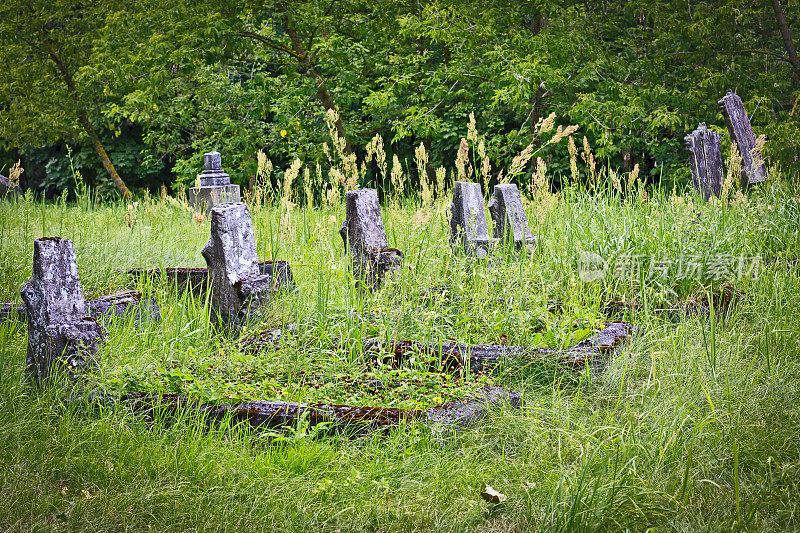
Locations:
{"points": [[271, 414]]}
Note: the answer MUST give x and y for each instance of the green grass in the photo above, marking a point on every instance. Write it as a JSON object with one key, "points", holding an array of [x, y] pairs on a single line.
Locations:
{"points": [[693, 426]]}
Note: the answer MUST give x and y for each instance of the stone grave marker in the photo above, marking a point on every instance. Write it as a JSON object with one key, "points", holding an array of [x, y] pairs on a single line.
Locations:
{"points": [[508, 213], [58, 329], [468, 228], [6, 190], [238, 289], [215, 186], [363, 230], [753, 168], [705, 160]]}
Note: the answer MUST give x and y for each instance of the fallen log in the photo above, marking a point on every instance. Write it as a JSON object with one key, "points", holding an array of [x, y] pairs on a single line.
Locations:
{"points": [[352, 419]]}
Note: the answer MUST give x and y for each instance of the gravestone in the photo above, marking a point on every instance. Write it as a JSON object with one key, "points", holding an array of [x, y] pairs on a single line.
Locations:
{"points": [[215, 186], [468, 228], [238, 289], [753, 168], [59, 332], [510, 222], [363, 229], [6, 189], [705, 160]]}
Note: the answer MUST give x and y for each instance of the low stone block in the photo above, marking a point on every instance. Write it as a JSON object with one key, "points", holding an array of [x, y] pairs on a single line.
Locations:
{"points": [[363, 230], [468, 227], [202, 199], [238, 289], [508, 213], [58, 328], [215, 186]]}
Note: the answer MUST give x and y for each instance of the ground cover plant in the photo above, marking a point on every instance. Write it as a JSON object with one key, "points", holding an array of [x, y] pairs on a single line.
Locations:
{"points": [[692, 426]]}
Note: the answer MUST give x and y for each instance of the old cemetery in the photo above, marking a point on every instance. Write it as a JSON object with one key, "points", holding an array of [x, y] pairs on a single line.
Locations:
{"points": [[486, 357]]}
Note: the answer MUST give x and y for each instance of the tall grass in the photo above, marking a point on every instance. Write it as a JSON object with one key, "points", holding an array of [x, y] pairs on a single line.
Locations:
{"points": [[693, 426]]}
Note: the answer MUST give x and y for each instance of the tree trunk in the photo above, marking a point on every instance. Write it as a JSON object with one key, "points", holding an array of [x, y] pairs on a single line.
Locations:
{"points": [[307, 65], [83, 119], [787, 39]]}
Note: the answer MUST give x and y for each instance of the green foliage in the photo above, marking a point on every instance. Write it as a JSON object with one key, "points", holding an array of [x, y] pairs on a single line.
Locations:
{"points": [[242, 77]]}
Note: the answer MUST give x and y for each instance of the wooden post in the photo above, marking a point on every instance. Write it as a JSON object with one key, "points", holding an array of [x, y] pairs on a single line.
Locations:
{"points": [[753, 169], [705, 160]]}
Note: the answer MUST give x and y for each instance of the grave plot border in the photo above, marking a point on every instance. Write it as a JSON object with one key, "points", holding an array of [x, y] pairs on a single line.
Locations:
{"points": [[195, 279], [349, 419], [119, 304]]}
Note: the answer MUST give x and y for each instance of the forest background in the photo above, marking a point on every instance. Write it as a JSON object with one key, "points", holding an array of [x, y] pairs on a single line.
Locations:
{"points": [[130, 93]]}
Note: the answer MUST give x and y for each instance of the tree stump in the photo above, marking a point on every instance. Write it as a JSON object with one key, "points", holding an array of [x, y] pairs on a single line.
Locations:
{"points": [[363, 230], [753, 168], [705, 160], [238, 289], [59, 332], [508, 213]]}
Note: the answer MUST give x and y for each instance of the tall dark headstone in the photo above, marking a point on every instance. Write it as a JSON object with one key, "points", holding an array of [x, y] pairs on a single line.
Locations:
{"points": [[705, 160], [238, 288], [363, 229], [508, 213], [753, 168], [468, 227], [215, 186], [59, 332]]}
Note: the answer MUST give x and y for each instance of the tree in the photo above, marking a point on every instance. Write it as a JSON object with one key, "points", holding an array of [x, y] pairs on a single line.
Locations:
{"points": [[45, 96]]}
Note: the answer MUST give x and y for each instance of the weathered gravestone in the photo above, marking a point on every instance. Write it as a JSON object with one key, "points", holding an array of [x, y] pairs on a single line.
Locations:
{"points": [[753, 168], [468, 228], [705, 160], [363, 229], [215, 186], [238, 289], [59, 332], [508, 213], [6, 189]]}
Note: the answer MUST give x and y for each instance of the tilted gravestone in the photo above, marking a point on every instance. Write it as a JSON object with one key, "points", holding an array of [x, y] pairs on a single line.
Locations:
{"points": [[468, 228], [705, 160], [363, 230], [753, 168], [6, 190], [508, 213], [59, 332], [215, 186], [238, 289]]}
